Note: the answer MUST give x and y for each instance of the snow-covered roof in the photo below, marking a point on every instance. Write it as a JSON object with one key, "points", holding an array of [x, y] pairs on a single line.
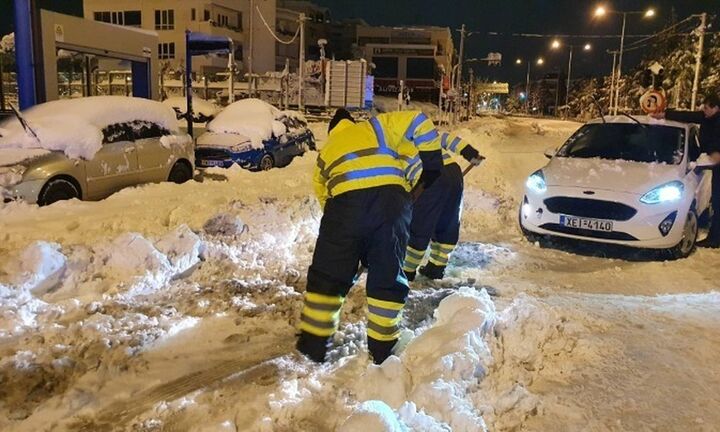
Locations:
{"points": [[642, 119], [74, 126], [200, 106], [252, 118]]}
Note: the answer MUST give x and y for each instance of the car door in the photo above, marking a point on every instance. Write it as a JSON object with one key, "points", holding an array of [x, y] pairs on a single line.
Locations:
{"points": [[114, 165], [154, 158], [702, 177]]}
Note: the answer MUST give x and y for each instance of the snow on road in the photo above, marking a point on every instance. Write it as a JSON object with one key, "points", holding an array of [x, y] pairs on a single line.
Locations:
{"points": [[152, 310]]}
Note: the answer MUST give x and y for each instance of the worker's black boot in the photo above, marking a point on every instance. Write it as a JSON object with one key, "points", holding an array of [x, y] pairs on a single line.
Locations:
{"points": [[410, 276], [432, 271], [313, 347], [380, 350]]}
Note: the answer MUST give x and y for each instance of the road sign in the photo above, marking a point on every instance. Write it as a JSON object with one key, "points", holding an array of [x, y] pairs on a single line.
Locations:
{"points": [[495, 88]]}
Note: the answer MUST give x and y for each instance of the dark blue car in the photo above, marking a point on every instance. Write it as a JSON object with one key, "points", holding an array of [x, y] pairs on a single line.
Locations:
{"points": [[285, 136]]}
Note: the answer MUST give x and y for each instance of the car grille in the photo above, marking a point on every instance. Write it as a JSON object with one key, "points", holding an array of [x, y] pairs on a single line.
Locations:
{"points": [[211, 154], [613, 235], [590, 208]]}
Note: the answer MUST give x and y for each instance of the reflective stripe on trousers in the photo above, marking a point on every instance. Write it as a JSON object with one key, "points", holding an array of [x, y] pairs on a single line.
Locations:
{"points": [[413, 258], [384, 319], [320, 314], [440, 253]]}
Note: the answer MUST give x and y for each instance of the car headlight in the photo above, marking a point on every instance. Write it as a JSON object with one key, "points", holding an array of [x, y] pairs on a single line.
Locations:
{"points": [[10, 176], [668, 192], [536, 182]]}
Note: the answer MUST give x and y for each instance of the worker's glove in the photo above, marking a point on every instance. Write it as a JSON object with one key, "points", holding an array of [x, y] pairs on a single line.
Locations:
{"points": [[470, 155], [427, 178], [477, 161]]}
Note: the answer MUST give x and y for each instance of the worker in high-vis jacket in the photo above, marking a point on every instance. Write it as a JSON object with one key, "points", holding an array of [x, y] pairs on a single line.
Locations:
{"points": [[437, 212], [363, 178]]}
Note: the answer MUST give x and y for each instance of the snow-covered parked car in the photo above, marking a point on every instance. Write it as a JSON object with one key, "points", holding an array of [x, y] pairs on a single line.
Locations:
{"points": [[254, 135], [622, 180], [89, 148]]}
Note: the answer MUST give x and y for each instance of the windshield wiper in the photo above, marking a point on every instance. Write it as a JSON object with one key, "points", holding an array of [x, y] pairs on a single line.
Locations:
{"points": [[24, 123], [644, 126], [597, 105]]}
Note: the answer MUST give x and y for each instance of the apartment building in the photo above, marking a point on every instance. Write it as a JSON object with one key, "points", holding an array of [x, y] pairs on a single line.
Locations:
{"points": [[171, 18]]}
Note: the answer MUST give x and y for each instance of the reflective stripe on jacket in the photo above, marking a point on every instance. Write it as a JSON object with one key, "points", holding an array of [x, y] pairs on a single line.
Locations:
{"points": [[382, 151], [451, 144]]}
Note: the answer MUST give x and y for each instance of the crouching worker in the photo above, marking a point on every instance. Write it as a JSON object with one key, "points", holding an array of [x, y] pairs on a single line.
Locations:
{"points": [[363, 178], [436, 213]]}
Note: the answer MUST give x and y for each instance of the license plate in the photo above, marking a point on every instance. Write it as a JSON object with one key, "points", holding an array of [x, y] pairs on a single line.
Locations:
{"points": [[585, 223], [211, 163]]}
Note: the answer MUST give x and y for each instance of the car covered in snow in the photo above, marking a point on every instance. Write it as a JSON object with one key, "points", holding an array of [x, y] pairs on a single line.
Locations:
{"points": [[90, 148], [255, 135], [622, 180]]}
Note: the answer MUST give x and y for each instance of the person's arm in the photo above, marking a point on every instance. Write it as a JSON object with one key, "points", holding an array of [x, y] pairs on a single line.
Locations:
{"points": [[685, 116], [459, 146], [424, 135], [320, 183]]}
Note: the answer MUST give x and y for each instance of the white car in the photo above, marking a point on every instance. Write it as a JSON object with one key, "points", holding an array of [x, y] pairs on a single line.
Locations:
{"points": [[622, 180]]}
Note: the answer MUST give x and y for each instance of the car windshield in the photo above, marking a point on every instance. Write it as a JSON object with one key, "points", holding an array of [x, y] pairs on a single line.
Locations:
{"points": [[627, 141]]}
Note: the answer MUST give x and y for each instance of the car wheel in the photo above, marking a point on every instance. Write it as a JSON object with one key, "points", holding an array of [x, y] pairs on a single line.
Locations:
{"points": [[58, 189], [180, 173], [529, 235], [689, 238], [266, 163]]}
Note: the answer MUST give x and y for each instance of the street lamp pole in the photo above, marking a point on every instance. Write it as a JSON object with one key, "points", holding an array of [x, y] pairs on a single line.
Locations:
{"points": [[620, 59], [527, 89], [612, 83], [567, 88]]}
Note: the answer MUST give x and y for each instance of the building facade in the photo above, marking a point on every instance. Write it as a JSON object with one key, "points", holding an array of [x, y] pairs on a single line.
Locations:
{"points": [[171, 18], [415, 55]]}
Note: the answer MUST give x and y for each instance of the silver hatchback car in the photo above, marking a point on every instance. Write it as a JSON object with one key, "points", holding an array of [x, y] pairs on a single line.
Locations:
{"points": [[91, 148]]}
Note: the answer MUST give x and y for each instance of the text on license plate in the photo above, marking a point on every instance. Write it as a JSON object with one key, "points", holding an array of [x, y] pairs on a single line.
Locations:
{"points": [[211, 163], [585, 223]]}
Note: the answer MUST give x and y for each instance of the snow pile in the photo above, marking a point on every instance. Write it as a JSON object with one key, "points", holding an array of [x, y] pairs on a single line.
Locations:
{"points": [[385, 104], [470, 370], [74, 126], [7, 43], [254, 119]]}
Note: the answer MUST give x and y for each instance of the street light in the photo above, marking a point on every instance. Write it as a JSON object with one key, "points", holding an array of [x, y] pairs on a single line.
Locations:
{"points": [[540, 61], [555, 45], [601, 11]]}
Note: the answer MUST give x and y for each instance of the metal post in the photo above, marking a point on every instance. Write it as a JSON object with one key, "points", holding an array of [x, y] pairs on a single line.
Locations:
{"points": [[458, 82], [527, 90], [567, 89], [231, 71], [440, 92], [471, 85], [250, 51], [612, 84], [188, 84], [24, 54], [698, 60], [557, 94], [301, 65], [620, 59], [2, 81]]}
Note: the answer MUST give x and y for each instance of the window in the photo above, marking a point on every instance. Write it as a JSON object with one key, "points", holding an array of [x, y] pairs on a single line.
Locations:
{"points": [[420, 68], [126, 18], [192, 14], [206, 15], [131, 131], [386, 67], [165, 19], [166, 51]]}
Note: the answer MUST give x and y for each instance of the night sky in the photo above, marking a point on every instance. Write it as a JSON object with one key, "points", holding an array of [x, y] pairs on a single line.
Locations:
{"points": [[505, 16]]}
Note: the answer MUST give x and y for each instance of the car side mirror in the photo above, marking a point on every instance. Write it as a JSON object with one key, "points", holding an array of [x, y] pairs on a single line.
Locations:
{"points": [[550, 153]]}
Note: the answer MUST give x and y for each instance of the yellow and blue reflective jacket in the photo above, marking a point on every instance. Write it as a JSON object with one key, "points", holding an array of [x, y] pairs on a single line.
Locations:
{"points": [[389, 149], [452, 144]]}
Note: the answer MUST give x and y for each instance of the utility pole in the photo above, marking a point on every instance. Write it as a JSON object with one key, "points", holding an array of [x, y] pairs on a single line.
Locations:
{"points": [[527, 90], [301, 65], [612, 83], [231, 71], [698, 60], [250, 51], [620, 59], [567, 88], [458, 82]]}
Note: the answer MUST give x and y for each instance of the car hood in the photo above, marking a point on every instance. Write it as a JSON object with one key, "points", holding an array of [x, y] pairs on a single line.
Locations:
{"points": [[613, 175], [20, 156], [229, 141]]}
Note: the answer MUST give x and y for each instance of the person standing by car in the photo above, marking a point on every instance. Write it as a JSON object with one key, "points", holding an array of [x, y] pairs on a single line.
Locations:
{"points": [[436, 213], [363, 178], [709, 120]]}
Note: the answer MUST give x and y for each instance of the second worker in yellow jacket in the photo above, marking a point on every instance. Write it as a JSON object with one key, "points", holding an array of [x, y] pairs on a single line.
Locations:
{"points": [[363, 177]]}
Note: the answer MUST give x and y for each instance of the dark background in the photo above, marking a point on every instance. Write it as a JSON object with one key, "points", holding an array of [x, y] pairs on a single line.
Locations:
{"points": [[505, 16]]}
